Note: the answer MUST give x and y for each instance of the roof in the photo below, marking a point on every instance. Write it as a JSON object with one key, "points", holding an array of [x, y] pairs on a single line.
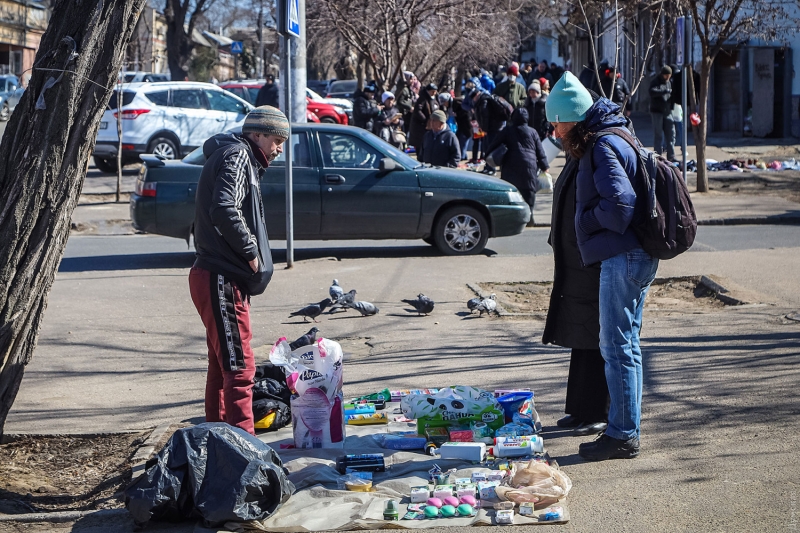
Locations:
{"points": [[221, 40]]}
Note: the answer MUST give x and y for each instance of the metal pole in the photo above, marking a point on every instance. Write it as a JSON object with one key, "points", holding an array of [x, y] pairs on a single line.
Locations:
{"points": [[261, 39], [685, 116], [287, 151], [298, 70], [687, 71]]}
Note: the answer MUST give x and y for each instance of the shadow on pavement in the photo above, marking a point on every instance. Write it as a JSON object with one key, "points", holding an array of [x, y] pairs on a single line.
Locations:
{"points": [[186, 259]]}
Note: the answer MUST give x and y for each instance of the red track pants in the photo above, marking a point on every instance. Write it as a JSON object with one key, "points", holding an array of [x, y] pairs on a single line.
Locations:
{"points": [[225, 312]]}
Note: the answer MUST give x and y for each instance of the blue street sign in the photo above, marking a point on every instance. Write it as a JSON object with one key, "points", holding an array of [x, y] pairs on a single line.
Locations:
{"points": [[236, 47], [293, 17]]}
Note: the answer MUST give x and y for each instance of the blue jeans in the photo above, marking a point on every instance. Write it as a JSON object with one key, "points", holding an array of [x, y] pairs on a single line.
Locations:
{"points": [[624, 282]]}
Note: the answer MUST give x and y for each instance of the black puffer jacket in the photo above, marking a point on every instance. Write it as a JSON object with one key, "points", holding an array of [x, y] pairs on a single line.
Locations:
{"points": [[423, 110], [573, 319], [537, 117], [525, 156], [229, 228], [365, 111]]}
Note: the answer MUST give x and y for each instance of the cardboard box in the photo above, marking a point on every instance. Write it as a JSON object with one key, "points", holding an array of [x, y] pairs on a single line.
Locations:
{"points": [[442, 491], [420, 494], [469, 451], [486, 490]]}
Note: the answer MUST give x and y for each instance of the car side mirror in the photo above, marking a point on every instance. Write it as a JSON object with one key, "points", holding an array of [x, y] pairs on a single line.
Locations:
{"points": [[388, 164]]}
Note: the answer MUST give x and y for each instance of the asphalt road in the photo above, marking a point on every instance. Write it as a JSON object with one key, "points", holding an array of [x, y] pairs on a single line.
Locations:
{"points": [[150, 251]]}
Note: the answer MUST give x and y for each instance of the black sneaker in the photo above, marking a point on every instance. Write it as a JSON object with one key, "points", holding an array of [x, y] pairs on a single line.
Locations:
{"points": [[606, 447], [590, 428]]}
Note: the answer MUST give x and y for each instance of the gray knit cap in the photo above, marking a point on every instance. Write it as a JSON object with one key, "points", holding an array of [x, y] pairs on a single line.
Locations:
{"points": [[267, 120]]}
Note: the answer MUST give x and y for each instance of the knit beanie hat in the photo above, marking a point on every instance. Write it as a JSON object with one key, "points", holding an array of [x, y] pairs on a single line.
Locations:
{"points": [[440, 116], [568, 101], [385, 96], [535, 86], [666, 70], [513, 70], [267, 120]]}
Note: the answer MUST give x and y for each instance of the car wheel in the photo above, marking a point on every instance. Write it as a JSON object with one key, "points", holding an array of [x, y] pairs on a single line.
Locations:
{"points": [[429, 240], [328, 120], [109, 166], [163, 147], [461, 230], [5, 112]]}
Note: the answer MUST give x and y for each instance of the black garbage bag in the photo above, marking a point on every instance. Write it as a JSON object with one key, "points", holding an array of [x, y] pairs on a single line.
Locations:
{"points": [[271, 398], [212, 471]]}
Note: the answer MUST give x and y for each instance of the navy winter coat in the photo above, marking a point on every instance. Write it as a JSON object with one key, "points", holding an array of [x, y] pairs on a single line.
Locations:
{"points": [[525, 156], [606, 189]]}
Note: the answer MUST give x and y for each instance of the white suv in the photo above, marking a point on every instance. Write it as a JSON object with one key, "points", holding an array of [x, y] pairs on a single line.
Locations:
{"points": [[168, 119]]}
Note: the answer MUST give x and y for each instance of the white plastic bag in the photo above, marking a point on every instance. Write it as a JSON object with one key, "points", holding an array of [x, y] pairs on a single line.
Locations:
{"points": [[318, 365], [551, 149], [535, 482], [545, 182]]}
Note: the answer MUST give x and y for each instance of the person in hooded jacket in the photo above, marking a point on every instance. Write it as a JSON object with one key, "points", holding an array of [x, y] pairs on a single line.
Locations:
{"points": [[423, 109], [525, 156], [233, 260], [489, 120], [607, 186], [268, 94], [615, 88], [405, 97], [365, 108], [389, 124], [535, 105]]}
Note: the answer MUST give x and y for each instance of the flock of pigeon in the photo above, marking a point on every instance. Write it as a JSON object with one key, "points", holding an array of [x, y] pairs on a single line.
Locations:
{"points": [[341, 301]]}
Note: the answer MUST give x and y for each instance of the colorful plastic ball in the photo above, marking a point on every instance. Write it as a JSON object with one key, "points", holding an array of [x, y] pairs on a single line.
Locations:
{"points": [[448, 511], [431, 511], [435, 502], [465, 510]]}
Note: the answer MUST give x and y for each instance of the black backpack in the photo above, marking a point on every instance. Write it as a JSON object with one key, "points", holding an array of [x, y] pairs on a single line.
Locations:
{"points": [[501, 107], [664, 221]]}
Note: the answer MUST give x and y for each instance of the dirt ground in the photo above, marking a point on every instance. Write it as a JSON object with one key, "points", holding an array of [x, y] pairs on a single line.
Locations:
{"points": [[785, 184], [665, 294], [65, 473]]}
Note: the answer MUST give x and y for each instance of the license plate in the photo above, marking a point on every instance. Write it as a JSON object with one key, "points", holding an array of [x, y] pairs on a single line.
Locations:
{"points": [[104, 125]]}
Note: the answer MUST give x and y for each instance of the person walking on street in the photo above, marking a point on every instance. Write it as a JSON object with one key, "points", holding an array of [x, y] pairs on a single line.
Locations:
{"points": [[268, 94], [615, 88], [233, 260], [676, 99], [608, 184], [513, 92], [535, 105], [661, 113], [543, 71], [405, 98], [525, 157], [423, 109], [389, 124], [573, 317], [440, 146], [365, 108], [463, 125]]}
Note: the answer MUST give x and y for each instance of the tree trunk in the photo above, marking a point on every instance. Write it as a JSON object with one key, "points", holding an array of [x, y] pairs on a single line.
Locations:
{"points": [[701, 131], [43, 160], [179, 44]]}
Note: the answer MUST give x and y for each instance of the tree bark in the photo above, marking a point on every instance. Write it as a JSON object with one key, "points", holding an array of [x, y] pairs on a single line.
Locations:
{"points": [[43, 159], [701, 131], [179, 44]]}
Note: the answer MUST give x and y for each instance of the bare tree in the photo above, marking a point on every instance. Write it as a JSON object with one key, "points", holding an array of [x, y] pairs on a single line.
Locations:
{"points": [[721, 22], [43, 159], [182, 17]]}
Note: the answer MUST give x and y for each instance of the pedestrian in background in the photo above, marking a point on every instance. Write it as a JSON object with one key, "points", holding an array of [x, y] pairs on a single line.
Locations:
{"points": [[509, 89], [389, 124], [233, 260], [607, 187], [440, 146], [676, 98], [268, 94], [555, 72], [423, 109], [463, 126], [615, 87], [525, 157], [661, 113], [405, 97], [486, 81], [365, 108], [544, 83], [535, 105], [543, 71]]}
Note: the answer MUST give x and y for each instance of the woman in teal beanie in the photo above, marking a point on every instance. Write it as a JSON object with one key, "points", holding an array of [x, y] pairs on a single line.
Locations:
{"points": [[606, 188]]}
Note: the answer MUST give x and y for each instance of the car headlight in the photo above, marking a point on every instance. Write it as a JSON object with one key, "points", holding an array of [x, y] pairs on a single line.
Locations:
{"points": [[515, 198]]}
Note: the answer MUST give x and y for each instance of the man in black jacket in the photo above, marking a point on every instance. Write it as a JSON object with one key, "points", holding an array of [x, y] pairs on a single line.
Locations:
{"points": [[233, 258], [365, 109], [268, 94], [440, 146], [661, 112], [535, 106]]}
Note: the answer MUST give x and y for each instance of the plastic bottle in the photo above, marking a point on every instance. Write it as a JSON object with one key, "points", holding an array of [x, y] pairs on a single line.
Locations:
{"points": [[517, 446]]}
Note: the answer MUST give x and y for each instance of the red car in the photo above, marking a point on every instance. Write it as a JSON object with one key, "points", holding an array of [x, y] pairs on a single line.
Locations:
{"points": [[315, 111]]}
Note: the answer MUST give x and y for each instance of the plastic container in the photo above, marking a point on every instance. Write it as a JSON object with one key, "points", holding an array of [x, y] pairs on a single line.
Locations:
{"points": [[468, 451], [517, 446], [390, 510], [368, 462]]}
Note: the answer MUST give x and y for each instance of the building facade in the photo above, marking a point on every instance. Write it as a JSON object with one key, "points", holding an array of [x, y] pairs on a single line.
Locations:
{"points": [[22, 24]]}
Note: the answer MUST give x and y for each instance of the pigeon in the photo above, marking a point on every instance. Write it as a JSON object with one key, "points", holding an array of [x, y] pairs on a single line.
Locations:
{"points": [[422, 304], [473, 304], [304, 340], [487, 304], [312, 311], [335, 291], [365, 308], [344, 301]]}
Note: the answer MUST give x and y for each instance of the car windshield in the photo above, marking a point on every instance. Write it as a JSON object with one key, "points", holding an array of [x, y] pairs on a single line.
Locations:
{"points": [[397, 155], [346, 86]]}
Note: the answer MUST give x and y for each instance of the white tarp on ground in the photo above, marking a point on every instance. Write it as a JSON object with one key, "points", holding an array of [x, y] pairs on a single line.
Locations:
{"points": [[319, 506]]}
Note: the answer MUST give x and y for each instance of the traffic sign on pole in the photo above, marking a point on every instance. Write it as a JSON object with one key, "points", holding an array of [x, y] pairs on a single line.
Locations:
{"points": [[289, 17], [236, 47], [680, 40]]}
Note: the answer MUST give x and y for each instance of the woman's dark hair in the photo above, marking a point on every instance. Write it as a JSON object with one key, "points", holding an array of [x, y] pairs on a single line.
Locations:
{"points": [[576, 140]]}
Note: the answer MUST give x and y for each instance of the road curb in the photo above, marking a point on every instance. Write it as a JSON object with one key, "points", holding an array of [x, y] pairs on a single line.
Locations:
{"points": [[750, 221], [721, 293], [147, 449]]}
